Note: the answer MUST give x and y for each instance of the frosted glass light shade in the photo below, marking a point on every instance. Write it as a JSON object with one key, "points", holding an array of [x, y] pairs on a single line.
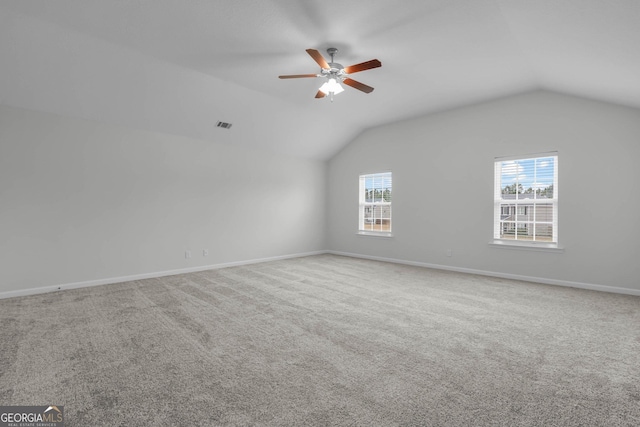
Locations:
{"points": [[331, 86]]}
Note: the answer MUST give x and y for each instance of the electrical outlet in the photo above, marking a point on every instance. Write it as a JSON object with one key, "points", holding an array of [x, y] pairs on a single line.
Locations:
{"points": [[205, 252], [187, 254], [449, 252]]}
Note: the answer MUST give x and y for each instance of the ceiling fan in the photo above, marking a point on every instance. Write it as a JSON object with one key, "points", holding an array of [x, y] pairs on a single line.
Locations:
{"points": [[335, 74]]}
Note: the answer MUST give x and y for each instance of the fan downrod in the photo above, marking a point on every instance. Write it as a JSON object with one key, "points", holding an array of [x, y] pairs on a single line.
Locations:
{"points": [[332, 51]]}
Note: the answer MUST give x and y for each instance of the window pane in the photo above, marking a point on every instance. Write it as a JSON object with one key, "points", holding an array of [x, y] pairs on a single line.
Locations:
{"points": [[507, 212], [507, 229], [510, 179], [544, 212], [544, 177], [544, 232]]}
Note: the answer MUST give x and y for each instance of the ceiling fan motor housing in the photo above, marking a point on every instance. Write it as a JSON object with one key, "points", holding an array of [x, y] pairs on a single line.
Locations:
{"points": [[334, 70]]}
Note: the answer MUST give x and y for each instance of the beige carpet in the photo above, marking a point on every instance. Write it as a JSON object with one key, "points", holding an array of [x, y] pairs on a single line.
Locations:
{"points": [[325, 340]]}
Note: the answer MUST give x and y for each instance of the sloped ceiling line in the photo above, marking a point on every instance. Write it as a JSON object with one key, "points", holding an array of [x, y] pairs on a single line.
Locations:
{"points": [[171, 66]]}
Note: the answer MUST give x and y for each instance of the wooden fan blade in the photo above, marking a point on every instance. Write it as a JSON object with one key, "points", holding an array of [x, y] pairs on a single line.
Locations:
{"points": [[317, 56], [297, 76], [357, 85], [374, 63], [320, 94]]}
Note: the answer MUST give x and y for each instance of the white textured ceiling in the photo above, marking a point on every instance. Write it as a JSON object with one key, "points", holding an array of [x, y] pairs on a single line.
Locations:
{"points": [[178, 66]]}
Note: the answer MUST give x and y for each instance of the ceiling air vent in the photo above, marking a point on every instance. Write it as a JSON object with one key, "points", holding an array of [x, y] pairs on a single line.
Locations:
{"points": [[224, 125]]}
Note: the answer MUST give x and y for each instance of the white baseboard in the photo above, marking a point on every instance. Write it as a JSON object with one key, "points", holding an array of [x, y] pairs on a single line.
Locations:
{"points": [[566, 283], [120, 279]]}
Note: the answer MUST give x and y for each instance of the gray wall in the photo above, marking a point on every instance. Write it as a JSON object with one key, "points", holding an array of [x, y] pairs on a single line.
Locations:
{"points": [[82, 201], [443, 187]]}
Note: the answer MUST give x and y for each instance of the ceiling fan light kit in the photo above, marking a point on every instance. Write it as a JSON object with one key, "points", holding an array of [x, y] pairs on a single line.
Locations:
{"points": [[331, 86], [335, 74]]}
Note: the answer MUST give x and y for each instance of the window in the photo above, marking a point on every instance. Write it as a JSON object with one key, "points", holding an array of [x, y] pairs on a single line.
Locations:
{"points": [[526, 199], [375, 203]]}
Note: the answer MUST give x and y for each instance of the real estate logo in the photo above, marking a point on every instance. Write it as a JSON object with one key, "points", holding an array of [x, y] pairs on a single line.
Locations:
{"points": [[32, 416]]}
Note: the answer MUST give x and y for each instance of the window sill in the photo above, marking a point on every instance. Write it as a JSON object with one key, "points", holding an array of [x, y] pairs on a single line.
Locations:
{"points": [[542, 247], [374, 233]]}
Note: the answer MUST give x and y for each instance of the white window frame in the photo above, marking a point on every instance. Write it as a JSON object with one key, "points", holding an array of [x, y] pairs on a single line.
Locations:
{"points": [[364, 205], [499, 202]]}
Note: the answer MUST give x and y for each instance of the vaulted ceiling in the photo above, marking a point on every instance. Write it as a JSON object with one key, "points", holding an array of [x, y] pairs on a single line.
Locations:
{"points": [[179, 66]]}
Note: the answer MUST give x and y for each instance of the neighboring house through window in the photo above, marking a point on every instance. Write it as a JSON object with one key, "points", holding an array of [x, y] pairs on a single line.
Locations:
{"points": [[375, 203], [526, 199]]}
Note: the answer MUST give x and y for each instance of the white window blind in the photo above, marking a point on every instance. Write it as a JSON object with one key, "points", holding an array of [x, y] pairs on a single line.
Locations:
{"points": [[375, 202], [526, 199]]}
